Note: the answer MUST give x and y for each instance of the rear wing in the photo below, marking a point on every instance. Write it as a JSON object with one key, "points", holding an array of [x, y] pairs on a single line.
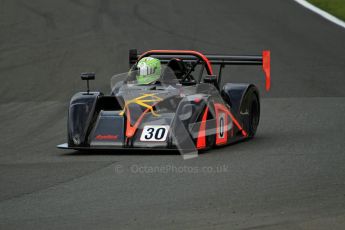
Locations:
{"points": [[191, 56]]}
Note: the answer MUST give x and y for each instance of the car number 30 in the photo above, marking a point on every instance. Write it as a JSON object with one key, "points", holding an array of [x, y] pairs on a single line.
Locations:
{"points": [[154, 133]]}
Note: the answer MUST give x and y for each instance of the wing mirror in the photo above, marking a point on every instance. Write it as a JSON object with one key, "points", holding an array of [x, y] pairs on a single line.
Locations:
{"points": [[211, 79], [87, 77]]}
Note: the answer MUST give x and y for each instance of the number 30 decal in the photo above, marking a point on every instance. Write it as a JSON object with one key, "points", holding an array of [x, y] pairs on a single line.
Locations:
{"points": [[154, 133]]}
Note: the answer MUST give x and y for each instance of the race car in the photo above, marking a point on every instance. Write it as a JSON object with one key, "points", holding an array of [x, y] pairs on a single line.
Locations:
{"points": [[169, 99]]}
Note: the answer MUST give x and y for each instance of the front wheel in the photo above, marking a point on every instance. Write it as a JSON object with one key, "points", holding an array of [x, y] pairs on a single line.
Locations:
{"points": [[250, 111]]}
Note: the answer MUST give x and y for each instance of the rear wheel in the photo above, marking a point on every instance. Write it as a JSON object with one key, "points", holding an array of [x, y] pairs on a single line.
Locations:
{"points": [[250, 111]]}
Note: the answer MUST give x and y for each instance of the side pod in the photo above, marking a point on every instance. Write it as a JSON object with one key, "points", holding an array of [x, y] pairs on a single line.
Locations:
{"points": [[80, 114]]}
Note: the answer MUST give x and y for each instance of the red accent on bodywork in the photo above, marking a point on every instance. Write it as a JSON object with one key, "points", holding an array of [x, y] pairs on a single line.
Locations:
{"points": [[201, 141], [106, 137], [244, 133], [130, 130], [266, 66], [197, 99], [224, 139], [218, 105], [181, 52]]}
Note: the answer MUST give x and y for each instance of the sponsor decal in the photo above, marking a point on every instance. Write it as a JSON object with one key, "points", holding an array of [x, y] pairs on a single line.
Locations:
{"points": [[107, 137]]}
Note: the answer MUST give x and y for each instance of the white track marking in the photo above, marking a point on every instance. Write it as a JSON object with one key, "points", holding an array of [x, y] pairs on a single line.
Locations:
{"points": [[321, 12]]}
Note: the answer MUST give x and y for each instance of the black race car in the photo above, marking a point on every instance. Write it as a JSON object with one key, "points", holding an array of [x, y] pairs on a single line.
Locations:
{"points": [[185, 110]]}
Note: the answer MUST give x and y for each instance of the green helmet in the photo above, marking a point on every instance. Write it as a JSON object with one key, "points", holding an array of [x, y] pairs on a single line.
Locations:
{"points": [[149, 70]]}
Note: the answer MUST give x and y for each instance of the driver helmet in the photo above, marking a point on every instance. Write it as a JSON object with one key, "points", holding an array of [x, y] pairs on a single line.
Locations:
{"points": [[149, 70]]}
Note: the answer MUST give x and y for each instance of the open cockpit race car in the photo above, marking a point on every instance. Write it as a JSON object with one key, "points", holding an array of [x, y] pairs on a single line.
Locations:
{"points": [[183, 109]]}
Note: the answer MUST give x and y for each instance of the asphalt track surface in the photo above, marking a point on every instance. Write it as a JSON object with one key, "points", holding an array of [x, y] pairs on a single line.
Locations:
{"points": [[291, 176]]}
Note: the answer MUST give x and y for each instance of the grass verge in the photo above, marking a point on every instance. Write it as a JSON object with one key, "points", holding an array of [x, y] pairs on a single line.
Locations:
{"points": [[334, 7]]}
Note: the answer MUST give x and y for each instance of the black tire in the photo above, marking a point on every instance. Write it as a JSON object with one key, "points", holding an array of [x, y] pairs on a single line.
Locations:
{"points": [[250, 111]]}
